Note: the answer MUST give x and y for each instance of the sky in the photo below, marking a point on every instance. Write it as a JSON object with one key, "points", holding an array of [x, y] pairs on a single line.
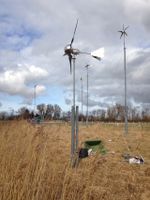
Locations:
{"points": [[33, 34]]}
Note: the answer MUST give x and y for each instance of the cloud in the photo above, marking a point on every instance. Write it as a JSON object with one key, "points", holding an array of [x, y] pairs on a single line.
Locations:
{"points": [[139, 9], [16, 81], [35, 32]]}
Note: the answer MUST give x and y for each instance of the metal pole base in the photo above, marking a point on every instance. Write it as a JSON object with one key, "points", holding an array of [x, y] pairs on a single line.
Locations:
{"points": [[74, 136]]}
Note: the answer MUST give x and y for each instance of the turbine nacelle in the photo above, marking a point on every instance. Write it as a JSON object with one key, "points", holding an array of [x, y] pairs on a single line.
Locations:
{"points": [[123, 31], [71, 51]]}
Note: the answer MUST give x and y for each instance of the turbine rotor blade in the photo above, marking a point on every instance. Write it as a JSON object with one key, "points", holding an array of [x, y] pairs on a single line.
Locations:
{"points": [[123, 32], [126, 28], [121, 35], [72, 40]]}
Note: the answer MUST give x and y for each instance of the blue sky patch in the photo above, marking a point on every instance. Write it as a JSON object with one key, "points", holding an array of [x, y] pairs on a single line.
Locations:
{"points": [[16, 37]]}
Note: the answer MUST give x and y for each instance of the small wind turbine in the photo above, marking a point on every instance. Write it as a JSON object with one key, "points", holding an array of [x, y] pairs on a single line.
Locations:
{"points": [[124, 34], [72, 53]]}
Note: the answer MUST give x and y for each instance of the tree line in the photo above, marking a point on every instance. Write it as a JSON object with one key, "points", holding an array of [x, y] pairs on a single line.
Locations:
{"points": [[54, 112]]}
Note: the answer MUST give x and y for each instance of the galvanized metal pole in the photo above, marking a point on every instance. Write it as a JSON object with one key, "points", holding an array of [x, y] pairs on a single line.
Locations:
{"points": [[125, 89], [72, 133], [73, 118], [74, 89], [87, 95], [81, 95], [34, 98], [77, 128]]}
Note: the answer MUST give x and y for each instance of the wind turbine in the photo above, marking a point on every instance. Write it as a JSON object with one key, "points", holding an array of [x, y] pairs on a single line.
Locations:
{"points": [[72, 53], [124, 34]]}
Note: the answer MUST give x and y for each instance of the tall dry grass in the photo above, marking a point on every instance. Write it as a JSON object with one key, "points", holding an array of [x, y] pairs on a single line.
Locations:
{"points": [[35, 163]]}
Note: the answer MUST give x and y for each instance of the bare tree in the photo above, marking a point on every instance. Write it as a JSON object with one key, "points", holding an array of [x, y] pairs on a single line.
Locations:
{"points": [[146, 115], [119, 111], [57, 111], [3, 115], [111, 114], [49, 111], [24, 113], [42, 109]]}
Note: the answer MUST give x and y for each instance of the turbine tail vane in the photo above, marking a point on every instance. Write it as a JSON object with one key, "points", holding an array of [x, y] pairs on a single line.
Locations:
{"points": [[98, 54]]}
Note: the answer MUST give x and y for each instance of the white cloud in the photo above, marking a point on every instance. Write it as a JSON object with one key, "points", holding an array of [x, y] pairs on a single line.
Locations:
{"points": [[16, 81], [35, 32]]}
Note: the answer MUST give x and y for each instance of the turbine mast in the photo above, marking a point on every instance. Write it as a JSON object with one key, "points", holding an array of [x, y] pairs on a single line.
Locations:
{"points": [[35, 98], [124, 34], [81, 79], [87, 100]]}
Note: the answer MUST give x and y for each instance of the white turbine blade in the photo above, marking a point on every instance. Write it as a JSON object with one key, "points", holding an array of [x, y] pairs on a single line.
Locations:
{"points": [[98, 54]]}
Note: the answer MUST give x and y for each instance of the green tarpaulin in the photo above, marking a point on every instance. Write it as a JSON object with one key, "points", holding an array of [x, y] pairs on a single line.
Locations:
{"points": [[95, 145]]}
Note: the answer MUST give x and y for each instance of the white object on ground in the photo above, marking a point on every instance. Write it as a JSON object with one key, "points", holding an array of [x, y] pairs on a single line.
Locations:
{"points": [[89, 152], [136, 160]]}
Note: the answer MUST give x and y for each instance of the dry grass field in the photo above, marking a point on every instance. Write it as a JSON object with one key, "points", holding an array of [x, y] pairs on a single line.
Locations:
{"points": [[35, 163]]}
